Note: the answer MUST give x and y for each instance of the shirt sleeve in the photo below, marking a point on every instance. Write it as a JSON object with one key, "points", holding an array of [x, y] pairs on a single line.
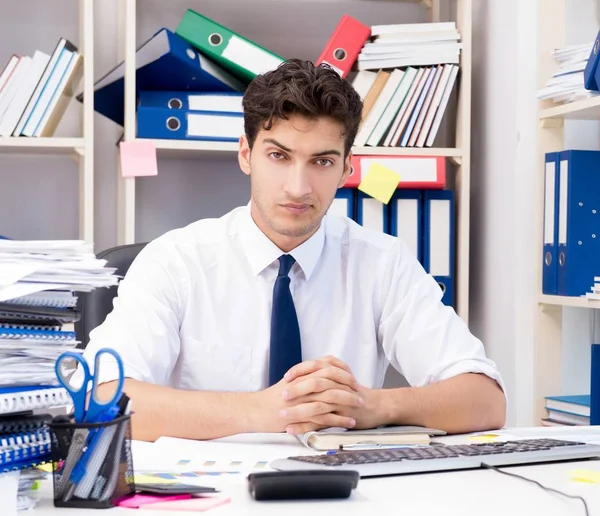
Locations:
{"points": [[143, 326], [425, 340]]}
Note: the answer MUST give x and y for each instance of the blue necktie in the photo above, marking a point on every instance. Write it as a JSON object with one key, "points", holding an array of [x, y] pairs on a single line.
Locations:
{"points": [[286, 350]]}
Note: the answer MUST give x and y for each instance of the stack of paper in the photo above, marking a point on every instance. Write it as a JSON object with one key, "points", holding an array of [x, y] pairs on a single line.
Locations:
{"points": [[567, 84], [594, 290], [417, 44], [38, 281]]}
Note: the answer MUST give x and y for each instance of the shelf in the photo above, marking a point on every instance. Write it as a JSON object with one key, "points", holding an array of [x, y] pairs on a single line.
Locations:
{"points": [[189, 148], [587, 109], [24, 145], [580, 302]]}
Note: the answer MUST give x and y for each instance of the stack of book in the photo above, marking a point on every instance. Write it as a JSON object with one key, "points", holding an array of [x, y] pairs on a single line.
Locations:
{"points": [[568, 410], [35, 90], [38, 281], [405, 78], [189, 83], [567, 84]]}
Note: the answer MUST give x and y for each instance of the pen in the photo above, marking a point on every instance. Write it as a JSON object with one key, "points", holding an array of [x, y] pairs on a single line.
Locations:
{"points": [[376, 446]]}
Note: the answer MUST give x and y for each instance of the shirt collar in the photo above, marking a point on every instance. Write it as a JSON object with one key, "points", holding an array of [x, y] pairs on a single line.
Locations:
{"points": [[262, 252]]}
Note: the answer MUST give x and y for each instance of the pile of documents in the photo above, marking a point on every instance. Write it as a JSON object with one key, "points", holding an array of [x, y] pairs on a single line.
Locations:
{"points": [[567, 84], [38, 281], [594, 292], [417, 44]]}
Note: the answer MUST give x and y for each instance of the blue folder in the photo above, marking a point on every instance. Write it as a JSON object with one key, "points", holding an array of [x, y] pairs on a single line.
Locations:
{"points": [[438, 240], [550, 230], [343, 204], [161, 123], [578, 221], [590, 78], [164, 62], [230, 102], [406, 219], [371, 213]]}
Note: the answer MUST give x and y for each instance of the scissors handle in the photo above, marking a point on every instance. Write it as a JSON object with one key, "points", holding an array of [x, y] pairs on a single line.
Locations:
{"points": [[96, 406], [78, 395]]}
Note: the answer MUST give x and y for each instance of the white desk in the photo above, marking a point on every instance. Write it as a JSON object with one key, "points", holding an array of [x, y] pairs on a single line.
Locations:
{"points": [[465, 493]]}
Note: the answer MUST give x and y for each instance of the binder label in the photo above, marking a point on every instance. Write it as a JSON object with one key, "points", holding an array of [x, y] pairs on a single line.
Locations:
{"points": [[254, 59]]}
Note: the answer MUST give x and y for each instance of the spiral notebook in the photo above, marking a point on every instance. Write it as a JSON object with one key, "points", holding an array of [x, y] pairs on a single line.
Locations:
{"points": [[22, 334], [14, 400], [52, 298], [24, 447]]}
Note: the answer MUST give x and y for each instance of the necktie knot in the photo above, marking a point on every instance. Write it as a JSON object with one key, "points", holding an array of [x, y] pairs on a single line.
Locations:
{"points": [[285, 264]]}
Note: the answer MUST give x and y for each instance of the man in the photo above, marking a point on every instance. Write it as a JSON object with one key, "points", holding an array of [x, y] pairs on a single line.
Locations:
{"points": [[276, 317]]}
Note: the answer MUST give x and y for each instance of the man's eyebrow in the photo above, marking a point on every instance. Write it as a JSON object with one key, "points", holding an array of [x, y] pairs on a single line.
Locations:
{"points": [[275, 142], [335, 152]]}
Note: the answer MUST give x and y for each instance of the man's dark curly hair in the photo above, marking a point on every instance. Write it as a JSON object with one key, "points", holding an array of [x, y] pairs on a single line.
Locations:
{"points": [[299, 87]]}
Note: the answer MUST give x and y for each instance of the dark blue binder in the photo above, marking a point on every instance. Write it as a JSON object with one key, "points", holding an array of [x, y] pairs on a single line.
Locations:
{"points": [[229, 102], [406, 219], [578, 221], [179, 124], [371, 213], [550, 230], [590, 72], [164, 62], [438, 240], [595, 386]]}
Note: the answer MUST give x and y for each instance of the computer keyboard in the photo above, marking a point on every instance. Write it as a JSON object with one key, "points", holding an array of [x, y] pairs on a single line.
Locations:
{"points": [[443, 458]]}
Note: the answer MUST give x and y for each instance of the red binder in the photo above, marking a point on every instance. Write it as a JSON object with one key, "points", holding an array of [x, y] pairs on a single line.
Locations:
{"points": [[416, 172], [344, 45]]}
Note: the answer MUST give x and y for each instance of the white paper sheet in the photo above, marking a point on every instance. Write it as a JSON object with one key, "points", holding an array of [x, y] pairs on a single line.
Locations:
{"points": [[9, 488]]}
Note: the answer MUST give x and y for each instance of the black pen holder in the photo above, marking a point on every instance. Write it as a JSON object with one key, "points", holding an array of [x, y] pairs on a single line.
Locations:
{"points": [[93, 465]]}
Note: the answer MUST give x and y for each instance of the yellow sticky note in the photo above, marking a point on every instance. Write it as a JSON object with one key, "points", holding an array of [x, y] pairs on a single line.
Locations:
{"points": [[483, 438], [138, 159], [585, 475], [379, 182]]}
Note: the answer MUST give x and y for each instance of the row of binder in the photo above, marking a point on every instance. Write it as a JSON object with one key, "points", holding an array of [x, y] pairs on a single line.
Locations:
{"points": [[423, 219], [571, 231]]}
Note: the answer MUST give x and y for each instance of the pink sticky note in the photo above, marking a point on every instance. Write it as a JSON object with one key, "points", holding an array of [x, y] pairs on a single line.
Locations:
{"points": [[138, 501], [198, 504], [138, 158]]}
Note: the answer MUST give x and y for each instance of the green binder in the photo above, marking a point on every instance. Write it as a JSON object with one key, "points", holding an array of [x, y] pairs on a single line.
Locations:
{"points": [[240, 56]]}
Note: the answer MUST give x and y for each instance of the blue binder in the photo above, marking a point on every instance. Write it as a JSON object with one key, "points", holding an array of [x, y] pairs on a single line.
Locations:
{"points": [[595, 385], [164, 62], [406, 219], [578, 221], [438, 240], [343, 203], [550, 230], [371, 213], [590, 79], [172, 124], [228, 102]]}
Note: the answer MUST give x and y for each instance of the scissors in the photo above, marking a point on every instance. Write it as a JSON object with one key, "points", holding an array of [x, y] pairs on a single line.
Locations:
{"points": [[97, 410]]}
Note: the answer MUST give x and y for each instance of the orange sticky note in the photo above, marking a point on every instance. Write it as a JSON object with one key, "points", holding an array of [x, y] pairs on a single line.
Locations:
{"points": [[138, 159], [380, 182]]}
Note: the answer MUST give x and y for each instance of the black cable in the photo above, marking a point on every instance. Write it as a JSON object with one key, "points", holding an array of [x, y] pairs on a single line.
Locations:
{"points": [[575, 497]]}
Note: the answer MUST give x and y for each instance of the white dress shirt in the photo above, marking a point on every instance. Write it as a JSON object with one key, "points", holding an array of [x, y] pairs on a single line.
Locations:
{"points": [[194, 310]]}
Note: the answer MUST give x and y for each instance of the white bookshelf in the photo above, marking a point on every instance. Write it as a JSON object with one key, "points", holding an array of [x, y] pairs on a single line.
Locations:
{"points": [[548, 322], [82, 147], [460, 154]]}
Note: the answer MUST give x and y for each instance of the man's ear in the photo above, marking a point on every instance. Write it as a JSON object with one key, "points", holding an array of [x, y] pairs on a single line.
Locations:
{"points": [[244, 155], [348, 170]]}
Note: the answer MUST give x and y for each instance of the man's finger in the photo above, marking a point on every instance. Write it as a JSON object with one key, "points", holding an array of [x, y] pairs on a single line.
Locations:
{"points": [[306, 385], [338, 375], [305, 411], [310, 366], [337, 398], [324, 421]]}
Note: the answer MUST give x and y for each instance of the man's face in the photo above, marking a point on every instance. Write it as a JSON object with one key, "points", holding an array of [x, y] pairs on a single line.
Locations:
{"points": [[295, 169]]}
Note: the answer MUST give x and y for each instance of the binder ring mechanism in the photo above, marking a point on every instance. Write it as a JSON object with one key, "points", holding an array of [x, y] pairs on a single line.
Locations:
{"points": [[173, 123], [548, 258], [340, 54], [215, 39]]}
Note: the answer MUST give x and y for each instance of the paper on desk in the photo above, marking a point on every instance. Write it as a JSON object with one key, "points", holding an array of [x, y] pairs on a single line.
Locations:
{"points": [[9, 488], [10, 273], [227, 460], [586, 434], [26, 288]]}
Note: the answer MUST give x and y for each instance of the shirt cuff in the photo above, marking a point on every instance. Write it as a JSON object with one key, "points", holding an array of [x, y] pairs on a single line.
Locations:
{"points": [[473, 366]]}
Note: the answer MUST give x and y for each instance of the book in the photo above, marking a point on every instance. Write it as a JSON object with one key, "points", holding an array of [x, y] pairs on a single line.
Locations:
{"points": [[334, 438], [577, 405]]}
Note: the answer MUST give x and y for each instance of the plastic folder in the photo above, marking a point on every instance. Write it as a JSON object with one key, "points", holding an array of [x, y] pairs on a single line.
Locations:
{"points": [[242, 57]]}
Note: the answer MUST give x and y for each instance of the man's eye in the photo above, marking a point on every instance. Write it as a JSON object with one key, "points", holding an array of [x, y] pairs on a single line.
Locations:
{"points": [[324, 162], [277, 155]]}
